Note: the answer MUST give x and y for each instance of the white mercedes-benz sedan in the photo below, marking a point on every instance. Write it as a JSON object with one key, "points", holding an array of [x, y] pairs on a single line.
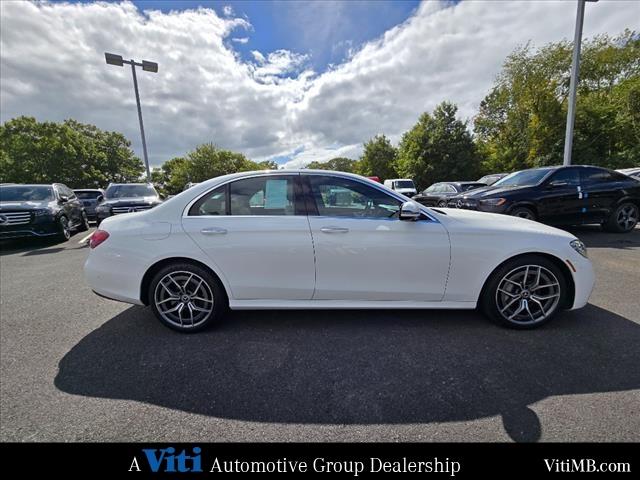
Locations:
{"points": [[303, 239]]}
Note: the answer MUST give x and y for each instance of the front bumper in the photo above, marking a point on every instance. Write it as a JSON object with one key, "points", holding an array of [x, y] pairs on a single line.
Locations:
{"points": [[38, 228]]}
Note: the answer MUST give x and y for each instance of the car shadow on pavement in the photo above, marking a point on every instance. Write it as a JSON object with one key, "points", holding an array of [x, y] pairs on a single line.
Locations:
{"points": [[356, 367]]}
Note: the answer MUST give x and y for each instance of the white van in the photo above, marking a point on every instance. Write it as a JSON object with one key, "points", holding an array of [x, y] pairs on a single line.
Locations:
{"points": [[404, 186]]}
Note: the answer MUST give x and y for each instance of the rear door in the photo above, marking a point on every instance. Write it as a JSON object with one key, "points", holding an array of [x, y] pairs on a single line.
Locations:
{"points": [[255, 231], [602, 189]]}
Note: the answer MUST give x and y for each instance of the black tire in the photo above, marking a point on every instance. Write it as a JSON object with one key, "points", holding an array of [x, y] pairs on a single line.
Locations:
{"points": [[84, 224], [442, 203], [64, 232], [211, 287], [623, 219], [490, 298], [523, 212]]}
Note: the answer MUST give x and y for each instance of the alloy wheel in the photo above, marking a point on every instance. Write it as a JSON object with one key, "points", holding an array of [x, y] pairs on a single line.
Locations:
{"points": [[184, 299], [64, 228], [528, 294], [627, 217]]}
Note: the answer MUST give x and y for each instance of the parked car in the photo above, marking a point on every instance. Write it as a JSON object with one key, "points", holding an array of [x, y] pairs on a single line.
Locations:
{"points": [[40, 211], [127, 198], [492, 178], [438, 194], [90, 198], [631, 172], [404, 186], [561, 196], [214, 247], [375, 179]]}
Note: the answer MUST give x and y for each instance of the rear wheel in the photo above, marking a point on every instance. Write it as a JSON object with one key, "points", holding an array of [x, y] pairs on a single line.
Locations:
{"points": [[623, 219], [64, 232], [523, 212], [524, 293], [84, 223], [442, 203], [186, 297]]}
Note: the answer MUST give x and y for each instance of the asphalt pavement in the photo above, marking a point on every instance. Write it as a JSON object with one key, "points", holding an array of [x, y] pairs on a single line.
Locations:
{"points": [[76, 367]]}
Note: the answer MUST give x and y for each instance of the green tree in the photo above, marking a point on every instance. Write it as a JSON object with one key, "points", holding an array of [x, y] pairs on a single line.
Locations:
{"points": [[521, 122], [439, 147], [70, 152], [338, 164], [378, 159]]}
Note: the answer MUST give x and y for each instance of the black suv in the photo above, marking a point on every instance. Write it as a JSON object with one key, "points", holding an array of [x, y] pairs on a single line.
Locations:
{"points": [[40, 211], [127, 198], [561, 196], [438, 194]]}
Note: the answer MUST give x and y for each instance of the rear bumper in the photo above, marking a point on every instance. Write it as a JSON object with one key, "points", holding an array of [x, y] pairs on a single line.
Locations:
{"points": [[111, 276]]}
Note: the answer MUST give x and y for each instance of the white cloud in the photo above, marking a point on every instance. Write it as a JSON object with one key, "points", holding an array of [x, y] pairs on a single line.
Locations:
{"points": [[52, 67], [227, 10], [241, 40]]}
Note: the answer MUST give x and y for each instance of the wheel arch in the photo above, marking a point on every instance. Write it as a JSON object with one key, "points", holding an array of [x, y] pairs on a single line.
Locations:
{"points": [[160, 264], [564, 268]]}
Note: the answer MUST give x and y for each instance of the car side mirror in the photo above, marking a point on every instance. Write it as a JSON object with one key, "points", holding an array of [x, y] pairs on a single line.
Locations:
{"points": [[410, 211], [99, 198], [64, 199]]}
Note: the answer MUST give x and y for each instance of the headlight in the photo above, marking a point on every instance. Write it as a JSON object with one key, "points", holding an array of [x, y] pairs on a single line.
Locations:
{"points": [[579, 247], [40, 212], [102, 209], [494, 202]]}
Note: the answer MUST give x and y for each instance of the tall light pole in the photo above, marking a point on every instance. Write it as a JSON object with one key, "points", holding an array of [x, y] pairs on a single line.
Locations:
{"points": [[118, 61], [575, 72]]}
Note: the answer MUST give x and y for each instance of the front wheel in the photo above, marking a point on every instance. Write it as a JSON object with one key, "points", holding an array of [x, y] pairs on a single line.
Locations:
{"points": [[524, 293], [623, 219], [186, 297], [442, 203], [523, 212]]}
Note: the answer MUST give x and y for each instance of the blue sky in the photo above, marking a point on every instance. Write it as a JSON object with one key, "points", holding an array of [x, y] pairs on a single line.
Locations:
{"points": [[323, 30]]}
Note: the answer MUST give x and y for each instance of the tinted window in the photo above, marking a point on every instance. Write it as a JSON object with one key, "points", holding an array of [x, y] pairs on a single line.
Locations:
{"points": [[449, 189], [265, 195], [598, 175], [570, 176], [342, 197], [89, 195], [24, 193], [404, 184], [213, 203], [431, 189], [123, 191]]}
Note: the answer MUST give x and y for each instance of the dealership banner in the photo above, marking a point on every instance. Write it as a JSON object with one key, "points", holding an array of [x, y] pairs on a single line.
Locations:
{"points": [[465, 460]]}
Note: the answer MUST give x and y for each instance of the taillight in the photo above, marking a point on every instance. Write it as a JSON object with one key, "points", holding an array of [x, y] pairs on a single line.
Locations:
{"points": [[97, 238]]}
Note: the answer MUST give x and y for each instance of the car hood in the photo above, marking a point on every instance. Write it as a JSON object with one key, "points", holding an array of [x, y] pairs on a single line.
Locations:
{"points": [[471, 221], [30, 205], [114, 202], [491, 191]]}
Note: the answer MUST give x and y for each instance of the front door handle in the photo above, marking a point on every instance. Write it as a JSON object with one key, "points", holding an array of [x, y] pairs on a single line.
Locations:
{"points": [[334, 229], [213, 231]]}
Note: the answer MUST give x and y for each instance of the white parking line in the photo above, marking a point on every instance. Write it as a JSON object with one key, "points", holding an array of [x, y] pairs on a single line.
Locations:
{"points": [[85, 239]]}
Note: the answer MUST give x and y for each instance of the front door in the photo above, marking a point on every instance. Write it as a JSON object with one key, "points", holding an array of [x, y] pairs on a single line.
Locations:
{"points": [[364, 252], [561, 198], [255, 231]]}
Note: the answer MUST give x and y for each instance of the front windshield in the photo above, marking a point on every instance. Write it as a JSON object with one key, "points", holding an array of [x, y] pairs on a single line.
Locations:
{"points": [[404, 184], [25, 193], [523, 178], [124, 191]]}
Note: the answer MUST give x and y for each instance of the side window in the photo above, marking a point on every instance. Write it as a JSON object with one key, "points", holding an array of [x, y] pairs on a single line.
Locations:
{"points": [[570, 176], [342, 197], [213, 203], [450, 189], [596, 175], [431, 189], [266, 195]]}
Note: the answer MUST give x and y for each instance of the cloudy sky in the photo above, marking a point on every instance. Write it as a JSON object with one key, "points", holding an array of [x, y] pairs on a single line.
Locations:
{"points": [[289, 81]]}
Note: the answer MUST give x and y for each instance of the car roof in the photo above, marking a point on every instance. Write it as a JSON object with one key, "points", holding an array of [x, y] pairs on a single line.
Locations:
{"points": [[87, 189], [31, 184]]}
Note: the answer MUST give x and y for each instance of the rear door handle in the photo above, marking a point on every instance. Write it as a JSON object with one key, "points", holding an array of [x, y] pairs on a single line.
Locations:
{"points": [[213, 231], [334, 229]]}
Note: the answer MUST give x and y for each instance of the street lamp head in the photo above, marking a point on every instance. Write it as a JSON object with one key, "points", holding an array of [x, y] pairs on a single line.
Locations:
{"points": [[114, 59], [149, 66]]}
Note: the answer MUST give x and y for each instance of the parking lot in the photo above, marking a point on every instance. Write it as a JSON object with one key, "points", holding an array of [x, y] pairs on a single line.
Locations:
{"points": [[76, 367]]}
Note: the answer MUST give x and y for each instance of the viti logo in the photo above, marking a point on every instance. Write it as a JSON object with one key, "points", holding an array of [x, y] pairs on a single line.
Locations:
{"points": [[166, 460]]}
